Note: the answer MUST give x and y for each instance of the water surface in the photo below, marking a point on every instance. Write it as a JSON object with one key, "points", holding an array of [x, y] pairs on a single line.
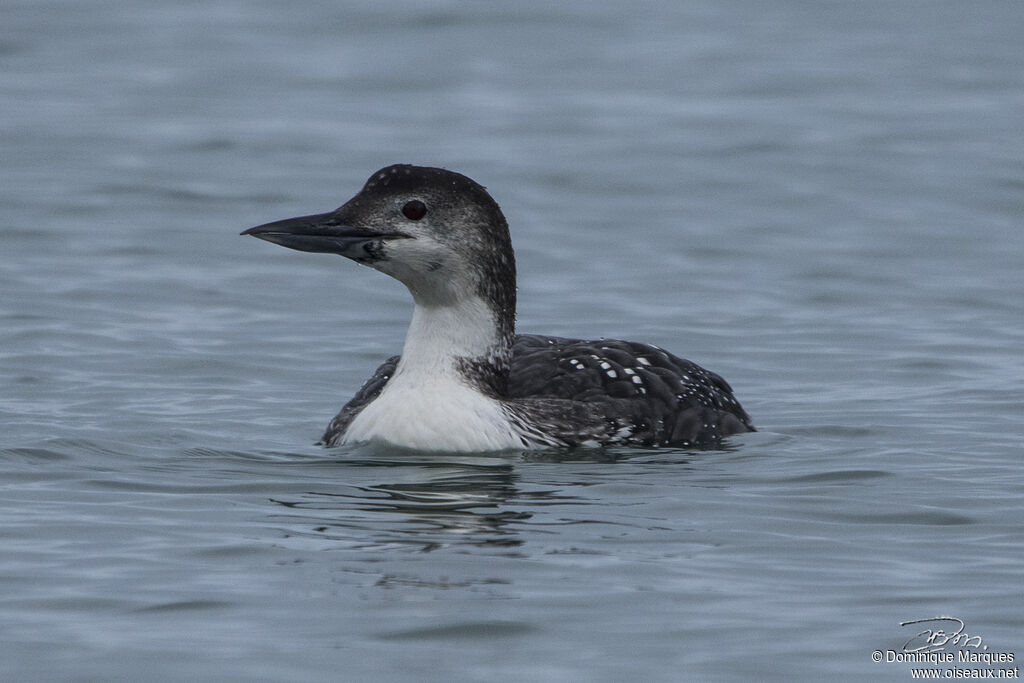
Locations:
{"points": [[820, 202]]}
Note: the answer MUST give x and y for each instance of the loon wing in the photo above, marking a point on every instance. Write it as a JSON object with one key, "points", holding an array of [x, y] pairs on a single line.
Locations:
{"points": [[369, 391], [644, 394]]}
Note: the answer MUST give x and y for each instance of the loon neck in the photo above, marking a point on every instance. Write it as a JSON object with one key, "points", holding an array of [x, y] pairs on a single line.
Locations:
{"points": [[468, 340]]}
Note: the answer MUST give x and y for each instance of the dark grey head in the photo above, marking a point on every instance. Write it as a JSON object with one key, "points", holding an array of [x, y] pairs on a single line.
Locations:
{"points": [[436, 231]]}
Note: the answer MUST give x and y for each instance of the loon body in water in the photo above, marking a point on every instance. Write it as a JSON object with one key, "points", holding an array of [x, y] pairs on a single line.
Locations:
{"points": [[465, 380]]}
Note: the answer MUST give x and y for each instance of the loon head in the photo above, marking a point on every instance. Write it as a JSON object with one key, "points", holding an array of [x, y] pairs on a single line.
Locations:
{"points": [[438, 232]]}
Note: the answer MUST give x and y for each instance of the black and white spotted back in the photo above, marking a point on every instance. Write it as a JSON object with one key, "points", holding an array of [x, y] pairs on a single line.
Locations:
{"points": [[571, 392]]}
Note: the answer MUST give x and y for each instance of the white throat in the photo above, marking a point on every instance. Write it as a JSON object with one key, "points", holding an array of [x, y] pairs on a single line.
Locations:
{"points": [[429, 404], [440, 335]]}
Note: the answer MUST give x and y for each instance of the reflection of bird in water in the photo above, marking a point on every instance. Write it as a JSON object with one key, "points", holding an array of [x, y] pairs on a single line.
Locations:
{"points": [[465, 381], [444, 503]]}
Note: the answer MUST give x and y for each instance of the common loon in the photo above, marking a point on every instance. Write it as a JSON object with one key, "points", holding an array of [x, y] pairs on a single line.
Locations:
{"points": [[465, 380]]}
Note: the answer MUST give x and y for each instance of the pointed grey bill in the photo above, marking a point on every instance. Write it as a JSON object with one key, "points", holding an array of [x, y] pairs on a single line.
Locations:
{"points": [[321, 233]]}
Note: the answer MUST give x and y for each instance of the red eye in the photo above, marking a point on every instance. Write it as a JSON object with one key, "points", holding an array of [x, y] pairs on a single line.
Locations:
{"points": [[414, 210]]}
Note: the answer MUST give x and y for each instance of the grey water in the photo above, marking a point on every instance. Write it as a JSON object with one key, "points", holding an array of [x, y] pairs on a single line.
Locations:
{"points": [[821, 201]]}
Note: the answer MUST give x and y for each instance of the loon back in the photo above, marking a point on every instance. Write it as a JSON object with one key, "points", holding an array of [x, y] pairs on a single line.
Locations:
{"points": [[465, 381], [582, 393]]}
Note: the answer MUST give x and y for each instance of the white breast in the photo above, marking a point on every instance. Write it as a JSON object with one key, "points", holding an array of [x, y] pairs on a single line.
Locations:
{"points": [[429, 404], [446, 416]]}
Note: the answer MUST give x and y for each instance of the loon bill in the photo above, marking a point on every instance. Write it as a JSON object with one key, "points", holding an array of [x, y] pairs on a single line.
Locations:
{"points": [[465, 381]]}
